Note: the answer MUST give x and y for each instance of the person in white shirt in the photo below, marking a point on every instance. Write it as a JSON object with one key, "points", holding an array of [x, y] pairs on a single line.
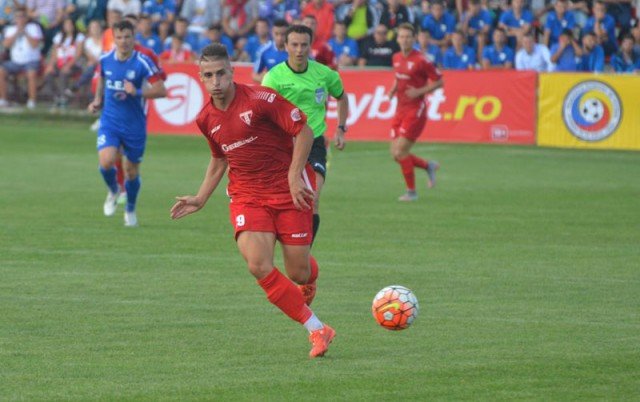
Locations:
{"points": [[533, 56], [125, 6], [24, 40]]}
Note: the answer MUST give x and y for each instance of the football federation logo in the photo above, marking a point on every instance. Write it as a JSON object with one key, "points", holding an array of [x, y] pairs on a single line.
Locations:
{"points": [[246, 117], [592, 111], [130, 74], [320, 95]]}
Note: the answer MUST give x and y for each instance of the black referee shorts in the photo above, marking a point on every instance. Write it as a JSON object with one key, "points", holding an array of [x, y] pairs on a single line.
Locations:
{"points": [[318, 156]]}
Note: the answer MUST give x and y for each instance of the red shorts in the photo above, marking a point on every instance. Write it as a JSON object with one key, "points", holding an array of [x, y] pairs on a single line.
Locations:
{"points": [[290, 225], [409, 123]]}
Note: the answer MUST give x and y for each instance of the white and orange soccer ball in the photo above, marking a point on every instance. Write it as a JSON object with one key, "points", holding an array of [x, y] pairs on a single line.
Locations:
{"points": [[395, 307]]}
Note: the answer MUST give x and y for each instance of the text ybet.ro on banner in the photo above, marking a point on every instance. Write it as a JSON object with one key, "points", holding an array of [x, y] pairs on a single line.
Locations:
{"points": [[589, 111]]}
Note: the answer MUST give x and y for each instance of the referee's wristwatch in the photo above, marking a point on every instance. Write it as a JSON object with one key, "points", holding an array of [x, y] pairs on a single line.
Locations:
{"points": [[343, 128]]}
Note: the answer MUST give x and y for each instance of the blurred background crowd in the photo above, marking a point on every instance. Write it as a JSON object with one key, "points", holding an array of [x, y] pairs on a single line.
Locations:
{"points": [[56, 44]]}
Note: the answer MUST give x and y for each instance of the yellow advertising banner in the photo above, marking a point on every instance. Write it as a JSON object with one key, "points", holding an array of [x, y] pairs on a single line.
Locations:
{"points": [[589, 111]]}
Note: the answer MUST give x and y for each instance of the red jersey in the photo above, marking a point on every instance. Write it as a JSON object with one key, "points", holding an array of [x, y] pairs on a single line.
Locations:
{"points": [[412, 71], [154, 57], [255, 135], [322, 53]]}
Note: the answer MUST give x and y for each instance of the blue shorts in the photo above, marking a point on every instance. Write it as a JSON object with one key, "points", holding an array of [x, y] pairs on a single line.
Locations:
{"points": [[15, 68], [132, 146]]}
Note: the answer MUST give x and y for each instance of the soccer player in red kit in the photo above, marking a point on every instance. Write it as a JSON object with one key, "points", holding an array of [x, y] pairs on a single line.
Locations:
{"points": [[414, 78], [251, 131]]}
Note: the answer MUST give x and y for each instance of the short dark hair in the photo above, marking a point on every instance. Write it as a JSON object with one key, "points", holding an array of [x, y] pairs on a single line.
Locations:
{"points": [[280, 23], [182, 19], [568, 32], [123, 25], [310, 16], [131, 17], [300, 29], [499, 29], [262, 19], [214, 52], [407, 26], [215, 27]]}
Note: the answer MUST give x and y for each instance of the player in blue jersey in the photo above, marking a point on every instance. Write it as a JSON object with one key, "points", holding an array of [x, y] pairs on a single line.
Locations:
{"points": [[272, 53], [127, 78]]}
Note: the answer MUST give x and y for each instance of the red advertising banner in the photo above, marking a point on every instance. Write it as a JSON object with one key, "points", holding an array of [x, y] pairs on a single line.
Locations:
{"points": [[482, 106]]}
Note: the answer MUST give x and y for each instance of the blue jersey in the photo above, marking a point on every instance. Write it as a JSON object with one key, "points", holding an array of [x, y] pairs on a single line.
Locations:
{"points": [[348, 47], [439, 28], [268, 57], [509, 18], [481, 20], [122, 112], [432, 53], [253, 47], [609, 25], [454, 61], [498, 57], [593, 61], [152, 42], [555, 25], [568, 60], [623, 65]]}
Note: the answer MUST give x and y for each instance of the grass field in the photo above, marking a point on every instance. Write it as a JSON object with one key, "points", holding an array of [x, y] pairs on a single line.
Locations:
{"points": [[526, 263]]}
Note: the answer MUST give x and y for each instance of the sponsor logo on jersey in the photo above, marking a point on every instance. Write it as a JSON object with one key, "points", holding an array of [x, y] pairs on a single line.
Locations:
{"points": [[246, 117], [295, 115], [238, 144], [299, 235], [216, 128], [410, 65]]}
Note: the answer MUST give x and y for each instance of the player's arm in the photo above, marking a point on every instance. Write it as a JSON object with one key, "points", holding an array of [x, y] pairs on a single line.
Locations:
{"points": [[413, 92], [97, 99], [300, 192], [153, 91], [343, 113], [394, 88], [189, 204]]}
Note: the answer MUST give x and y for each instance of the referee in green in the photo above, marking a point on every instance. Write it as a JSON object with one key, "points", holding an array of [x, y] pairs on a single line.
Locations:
{"points": [[307, 84]]}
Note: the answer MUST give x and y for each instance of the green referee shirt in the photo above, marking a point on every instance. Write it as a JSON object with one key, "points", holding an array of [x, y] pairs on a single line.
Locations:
{"points": [[308, 90]]}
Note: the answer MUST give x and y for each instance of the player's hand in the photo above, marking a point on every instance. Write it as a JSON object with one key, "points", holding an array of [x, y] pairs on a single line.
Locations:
{"points": [[129, 88], [302, 195], [185, 205], [338, 140], [412, 92], [390, 95], [95, 106]]}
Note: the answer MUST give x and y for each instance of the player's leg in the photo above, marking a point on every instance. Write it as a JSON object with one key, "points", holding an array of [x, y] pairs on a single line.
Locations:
{"points": [[133, 150], [318, 162], [122, 199], [3, 86], [107, 150], [400, 151], [32, 87]]}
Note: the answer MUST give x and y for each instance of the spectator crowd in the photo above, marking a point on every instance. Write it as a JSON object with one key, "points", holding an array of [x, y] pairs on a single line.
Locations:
{"points": [[57, 43]]}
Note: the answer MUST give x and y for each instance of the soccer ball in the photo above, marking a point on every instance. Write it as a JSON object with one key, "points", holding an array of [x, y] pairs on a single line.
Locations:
{"points": [[592, 111], [395, 307]]}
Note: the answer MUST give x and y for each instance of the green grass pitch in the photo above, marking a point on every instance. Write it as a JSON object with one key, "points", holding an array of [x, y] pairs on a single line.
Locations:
{"points": [[526, 263]]}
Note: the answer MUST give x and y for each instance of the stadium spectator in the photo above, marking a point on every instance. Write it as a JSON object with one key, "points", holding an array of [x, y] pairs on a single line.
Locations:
{"points": [[498, 55], [7, 8], [160, 11], [23, 41], [477, 23], [320, 50], [415, 78], [604, 26], [566, 53], [323, 12], [96, 10], [91, 51], [516, 21], [273, 10], [49, 14], [345, 48], [395, 13], [63, 63], [181, 28], [201, 14], [214, 35], [164, 31], [558, 20], [239, 17], [459, 56], [592, 54], [431, 52], [146, 37], [620, 10], [635, 34], [439, 23], [361, 20], [260, 188], [123, 122], [308, 84], [179, 52], [256, 41], [626, 61], [273, 53], [376, 50], [125, 6], [581, 11], [113, 17], [533, 56]]}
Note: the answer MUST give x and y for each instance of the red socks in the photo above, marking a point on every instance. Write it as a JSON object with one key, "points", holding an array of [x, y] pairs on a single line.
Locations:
{"points": [[314, 269], [285, 295], [406, 165]]}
